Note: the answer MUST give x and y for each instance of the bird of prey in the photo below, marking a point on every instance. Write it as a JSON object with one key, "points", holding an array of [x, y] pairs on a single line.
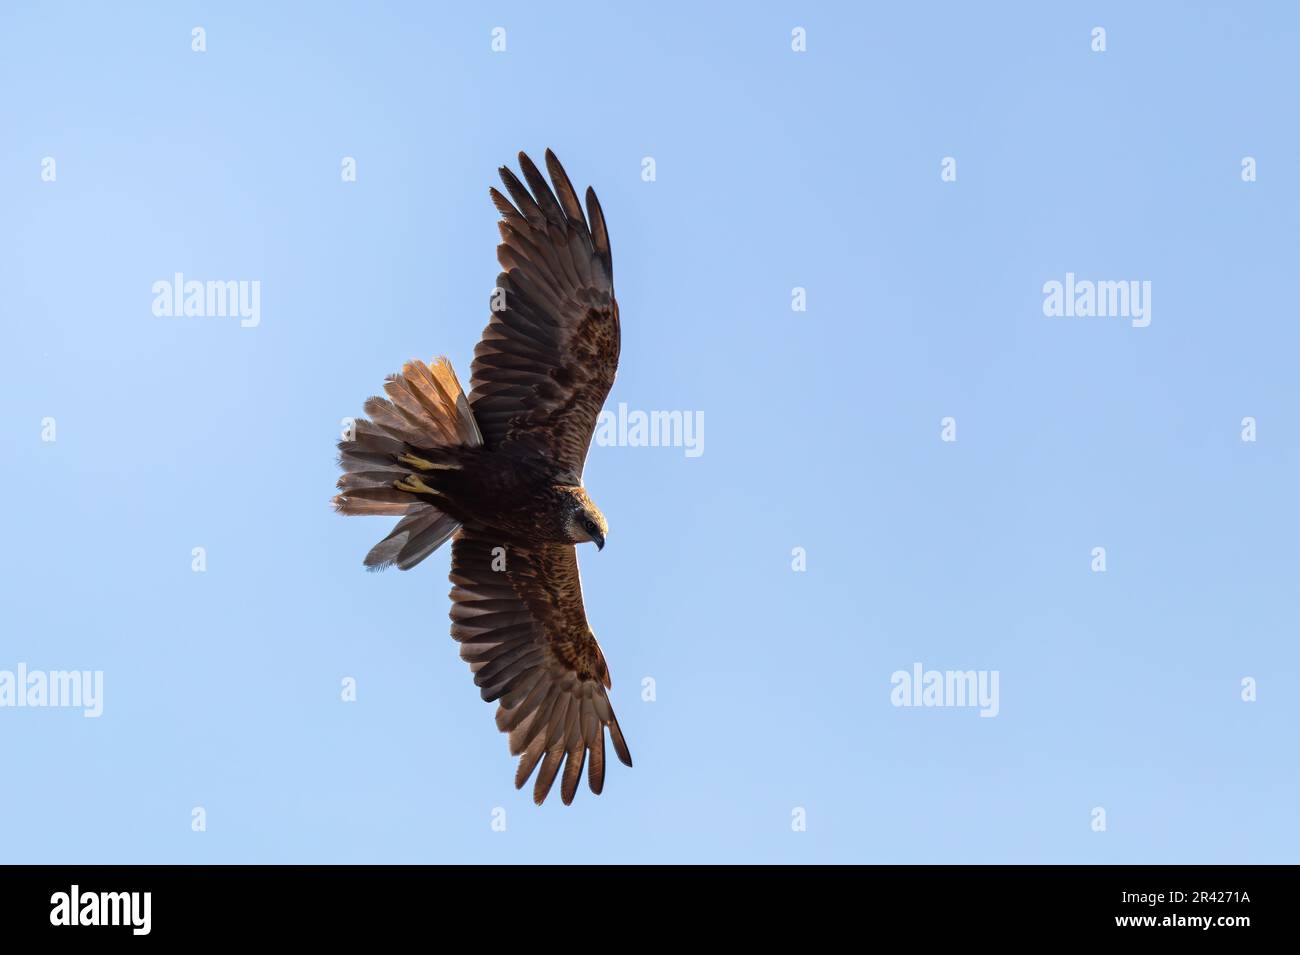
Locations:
{"points": [[499, 474]]}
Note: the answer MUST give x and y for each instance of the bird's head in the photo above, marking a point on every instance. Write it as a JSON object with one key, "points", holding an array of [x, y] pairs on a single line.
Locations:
{"points": [[582, 519]]}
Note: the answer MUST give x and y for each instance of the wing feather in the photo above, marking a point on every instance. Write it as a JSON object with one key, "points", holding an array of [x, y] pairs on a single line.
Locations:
{"points": [[524, 634], [547, 360]]}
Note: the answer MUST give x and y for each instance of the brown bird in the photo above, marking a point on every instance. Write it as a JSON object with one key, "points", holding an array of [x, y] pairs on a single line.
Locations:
{"points": [[500, 475]]}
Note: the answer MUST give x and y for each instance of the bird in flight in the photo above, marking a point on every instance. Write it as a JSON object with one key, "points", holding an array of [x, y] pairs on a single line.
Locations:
{"points": [[499, 474]]}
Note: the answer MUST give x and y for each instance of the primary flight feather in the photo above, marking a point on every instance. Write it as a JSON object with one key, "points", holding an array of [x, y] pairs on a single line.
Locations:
{"points": [[499, 473]]}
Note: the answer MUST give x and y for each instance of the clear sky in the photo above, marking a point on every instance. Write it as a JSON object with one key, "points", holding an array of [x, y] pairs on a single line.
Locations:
{"points": [[773, 170]]}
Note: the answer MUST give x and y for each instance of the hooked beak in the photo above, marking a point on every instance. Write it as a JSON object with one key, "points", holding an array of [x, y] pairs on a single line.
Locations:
{"points": [[600, 540]]}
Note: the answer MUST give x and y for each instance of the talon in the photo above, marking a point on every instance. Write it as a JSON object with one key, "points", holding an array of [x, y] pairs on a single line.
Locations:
{"points": [[417, 462], [414, 484], [423, 464]]}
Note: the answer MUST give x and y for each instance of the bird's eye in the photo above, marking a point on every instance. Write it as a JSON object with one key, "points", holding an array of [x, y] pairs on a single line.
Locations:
{"points": [[591, 527]]}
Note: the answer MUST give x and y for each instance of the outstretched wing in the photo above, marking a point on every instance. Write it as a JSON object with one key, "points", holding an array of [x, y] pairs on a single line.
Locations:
{"points": [[524, 633], [548, 355]]}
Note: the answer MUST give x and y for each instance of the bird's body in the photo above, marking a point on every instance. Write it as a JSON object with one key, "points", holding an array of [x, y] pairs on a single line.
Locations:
{"points": [[509, 490], [499, 473]]}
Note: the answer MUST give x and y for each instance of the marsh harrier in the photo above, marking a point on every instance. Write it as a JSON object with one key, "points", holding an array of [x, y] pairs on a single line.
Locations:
{"points": [[499, 474]]}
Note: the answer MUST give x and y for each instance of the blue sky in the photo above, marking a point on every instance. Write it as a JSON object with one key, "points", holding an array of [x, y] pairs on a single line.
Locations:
{"points": [[774, 170]]}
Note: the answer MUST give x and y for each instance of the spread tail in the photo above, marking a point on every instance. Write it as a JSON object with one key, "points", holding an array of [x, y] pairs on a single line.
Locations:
{"points": [[407, 434]]}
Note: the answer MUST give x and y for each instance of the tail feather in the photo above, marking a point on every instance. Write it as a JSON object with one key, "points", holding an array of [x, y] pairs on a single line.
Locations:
{"points": [[426, 413], [415, 537], [439, 393]]}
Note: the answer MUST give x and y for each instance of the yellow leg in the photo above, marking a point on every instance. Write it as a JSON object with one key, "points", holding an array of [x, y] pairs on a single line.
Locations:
{"points": [[424, 464], [414, 484]]}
